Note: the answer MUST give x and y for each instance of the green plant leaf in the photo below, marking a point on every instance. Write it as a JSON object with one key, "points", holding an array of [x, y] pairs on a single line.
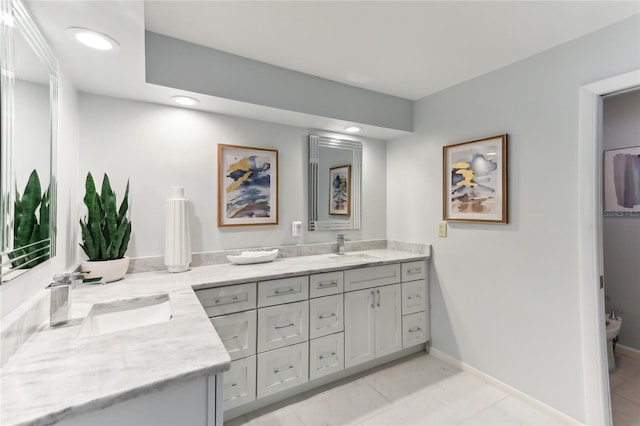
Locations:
{"points": [[108, 199], [125, 241]]}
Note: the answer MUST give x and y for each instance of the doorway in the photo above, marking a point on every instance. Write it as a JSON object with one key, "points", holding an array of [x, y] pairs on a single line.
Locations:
{"points": [[596, 375]]}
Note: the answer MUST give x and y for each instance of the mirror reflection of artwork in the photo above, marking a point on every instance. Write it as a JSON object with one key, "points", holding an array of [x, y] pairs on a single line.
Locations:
{"points": [[339, 184], [248, 186]]}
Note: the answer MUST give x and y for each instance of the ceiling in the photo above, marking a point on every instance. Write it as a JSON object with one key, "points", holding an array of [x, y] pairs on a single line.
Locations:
{"points": [[405, 49]]}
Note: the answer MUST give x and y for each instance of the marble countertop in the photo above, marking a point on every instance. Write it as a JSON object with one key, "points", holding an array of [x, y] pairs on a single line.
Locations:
{"points": [[56, 374]]}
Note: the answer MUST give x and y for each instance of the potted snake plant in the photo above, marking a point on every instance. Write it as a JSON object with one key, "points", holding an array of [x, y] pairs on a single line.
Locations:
{"points": [[105, 232]]}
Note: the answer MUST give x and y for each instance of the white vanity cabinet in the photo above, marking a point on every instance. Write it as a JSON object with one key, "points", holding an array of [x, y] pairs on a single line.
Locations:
{"points": [[415, 304], [284, 334], [373, 326]]}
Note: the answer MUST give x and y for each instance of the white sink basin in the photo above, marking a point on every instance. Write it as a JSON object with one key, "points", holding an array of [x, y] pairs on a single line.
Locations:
{"points": [[613, 327], [353, 257], [126, 314]]}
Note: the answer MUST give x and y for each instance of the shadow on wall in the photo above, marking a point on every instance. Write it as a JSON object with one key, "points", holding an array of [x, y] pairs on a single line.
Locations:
{"points": [[442, 334]]}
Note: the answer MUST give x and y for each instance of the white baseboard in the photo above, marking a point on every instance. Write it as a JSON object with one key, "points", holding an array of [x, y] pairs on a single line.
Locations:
{"points": [[548, 410], [627, 351]]}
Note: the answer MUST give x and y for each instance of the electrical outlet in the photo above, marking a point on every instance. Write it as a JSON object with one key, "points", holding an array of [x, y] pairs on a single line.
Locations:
{"points": [[442, 229]]}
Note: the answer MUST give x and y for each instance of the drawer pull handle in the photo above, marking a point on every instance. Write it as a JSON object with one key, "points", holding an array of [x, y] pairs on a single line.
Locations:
{"points": [[327, 355], [282, 370], [281, 292], [231, 386], [277, 327], [378, 291], [333, 314], [412, 271], [413, 330], [417, 296], [225, 300], [327, 284], [230, 338]]}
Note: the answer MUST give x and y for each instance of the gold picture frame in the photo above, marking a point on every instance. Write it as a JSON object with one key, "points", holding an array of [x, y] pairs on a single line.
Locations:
{"points": [[247, 186], [474, 180]]}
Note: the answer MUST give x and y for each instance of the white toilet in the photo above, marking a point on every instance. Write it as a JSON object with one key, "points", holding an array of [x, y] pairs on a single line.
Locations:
{"points": [[613, 325]]}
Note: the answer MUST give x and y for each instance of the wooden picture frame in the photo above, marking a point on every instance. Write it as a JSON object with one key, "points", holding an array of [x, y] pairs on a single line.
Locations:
{"points": [[474, 181], [247, 186], [620, 182], [340, 190]]}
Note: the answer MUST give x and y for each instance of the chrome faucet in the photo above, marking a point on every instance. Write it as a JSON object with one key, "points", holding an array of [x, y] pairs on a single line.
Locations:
{"points": [[341, 240], [61, 287]]}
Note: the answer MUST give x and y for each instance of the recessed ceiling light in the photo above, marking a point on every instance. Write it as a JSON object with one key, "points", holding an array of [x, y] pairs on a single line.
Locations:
{"points": [[352, 129], [185, 100], [92, 39]]}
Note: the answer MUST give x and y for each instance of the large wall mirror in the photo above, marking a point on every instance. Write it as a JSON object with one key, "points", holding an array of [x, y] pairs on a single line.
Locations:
{"points": [[29, 85], [335, 176]]}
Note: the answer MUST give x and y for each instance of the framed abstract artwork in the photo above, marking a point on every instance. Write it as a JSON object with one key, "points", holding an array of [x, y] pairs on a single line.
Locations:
{"points": [[621, 182], [247, 186], [474, 180], [340, 190]]}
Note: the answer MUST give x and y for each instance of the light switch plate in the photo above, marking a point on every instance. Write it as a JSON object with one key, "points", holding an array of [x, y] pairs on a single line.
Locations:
{"points": [[296, 228], [442, 229]]}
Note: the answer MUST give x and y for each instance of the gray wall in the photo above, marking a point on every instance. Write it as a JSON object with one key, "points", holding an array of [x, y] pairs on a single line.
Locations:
{"points": [[621, 129], [505, 298], [158, 147]]}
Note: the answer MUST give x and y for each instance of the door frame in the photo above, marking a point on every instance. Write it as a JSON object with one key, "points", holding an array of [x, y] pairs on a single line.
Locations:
{"points": [[596, 386]]}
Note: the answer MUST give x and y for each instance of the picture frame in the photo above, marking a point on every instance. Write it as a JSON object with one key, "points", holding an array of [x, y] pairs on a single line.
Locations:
{"points": [[340, 190], [621, 182], [474, 180], [247, 186]]}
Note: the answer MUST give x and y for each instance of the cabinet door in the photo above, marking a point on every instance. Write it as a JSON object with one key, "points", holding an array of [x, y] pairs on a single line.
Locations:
{"points": [[239, 383], [326, 355], [283, 325], [283, 369], [358, 325], [388, 320], [325, 316], [414, 297], [238, 333]]}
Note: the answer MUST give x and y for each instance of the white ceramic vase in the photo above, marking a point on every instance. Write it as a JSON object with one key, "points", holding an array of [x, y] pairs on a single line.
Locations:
{"points": [[109, 270], [177, 242]]}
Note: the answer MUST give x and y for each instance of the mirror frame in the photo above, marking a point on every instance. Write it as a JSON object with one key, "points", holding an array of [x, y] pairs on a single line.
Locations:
{"points": [[15, 17], [315, 143]]}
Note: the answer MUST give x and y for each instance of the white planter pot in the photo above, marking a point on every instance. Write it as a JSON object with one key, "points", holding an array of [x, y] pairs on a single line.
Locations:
{"points": [[110, 270]]}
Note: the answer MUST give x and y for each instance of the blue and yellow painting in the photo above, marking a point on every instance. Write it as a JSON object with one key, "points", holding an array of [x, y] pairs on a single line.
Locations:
{"points": [[474, 182], [248, 187]]}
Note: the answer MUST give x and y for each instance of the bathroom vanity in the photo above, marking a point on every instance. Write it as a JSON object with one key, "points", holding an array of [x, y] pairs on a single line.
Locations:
{"points": [[240, 337]]}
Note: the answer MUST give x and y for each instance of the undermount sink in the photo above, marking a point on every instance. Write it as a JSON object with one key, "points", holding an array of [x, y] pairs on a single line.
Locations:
{"points": [[126, 314], [353, 256]]}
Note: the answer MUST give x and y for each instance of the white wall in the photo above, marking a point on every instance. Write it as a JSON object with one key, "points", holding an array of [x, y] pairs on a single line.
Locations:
{"points": [[621, 242], [158, 147], [505, 298]]}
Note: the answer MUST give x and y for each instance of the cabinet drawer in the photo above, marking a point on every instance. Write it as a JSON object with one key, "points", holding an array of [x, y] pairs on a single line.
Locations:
{"points": [[326, 316], [276, 292], [326, 355], [239, 383], [415, 329], [414, 270], [372, 276], [229, 299], [283, 325], [326, 284], [283, 369], [414, 297], [238, 333]]}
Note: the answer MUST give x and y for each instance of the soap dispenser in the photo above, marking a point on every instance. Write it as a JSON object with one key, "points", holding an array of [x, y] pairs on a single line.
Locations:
{"points": [[177, 243]]}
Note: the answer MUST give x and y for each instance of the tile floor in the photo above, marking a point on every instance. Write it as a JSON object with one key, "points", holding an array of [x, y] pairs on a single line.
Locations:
{"points": [[624, 383], [418, 390]]}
